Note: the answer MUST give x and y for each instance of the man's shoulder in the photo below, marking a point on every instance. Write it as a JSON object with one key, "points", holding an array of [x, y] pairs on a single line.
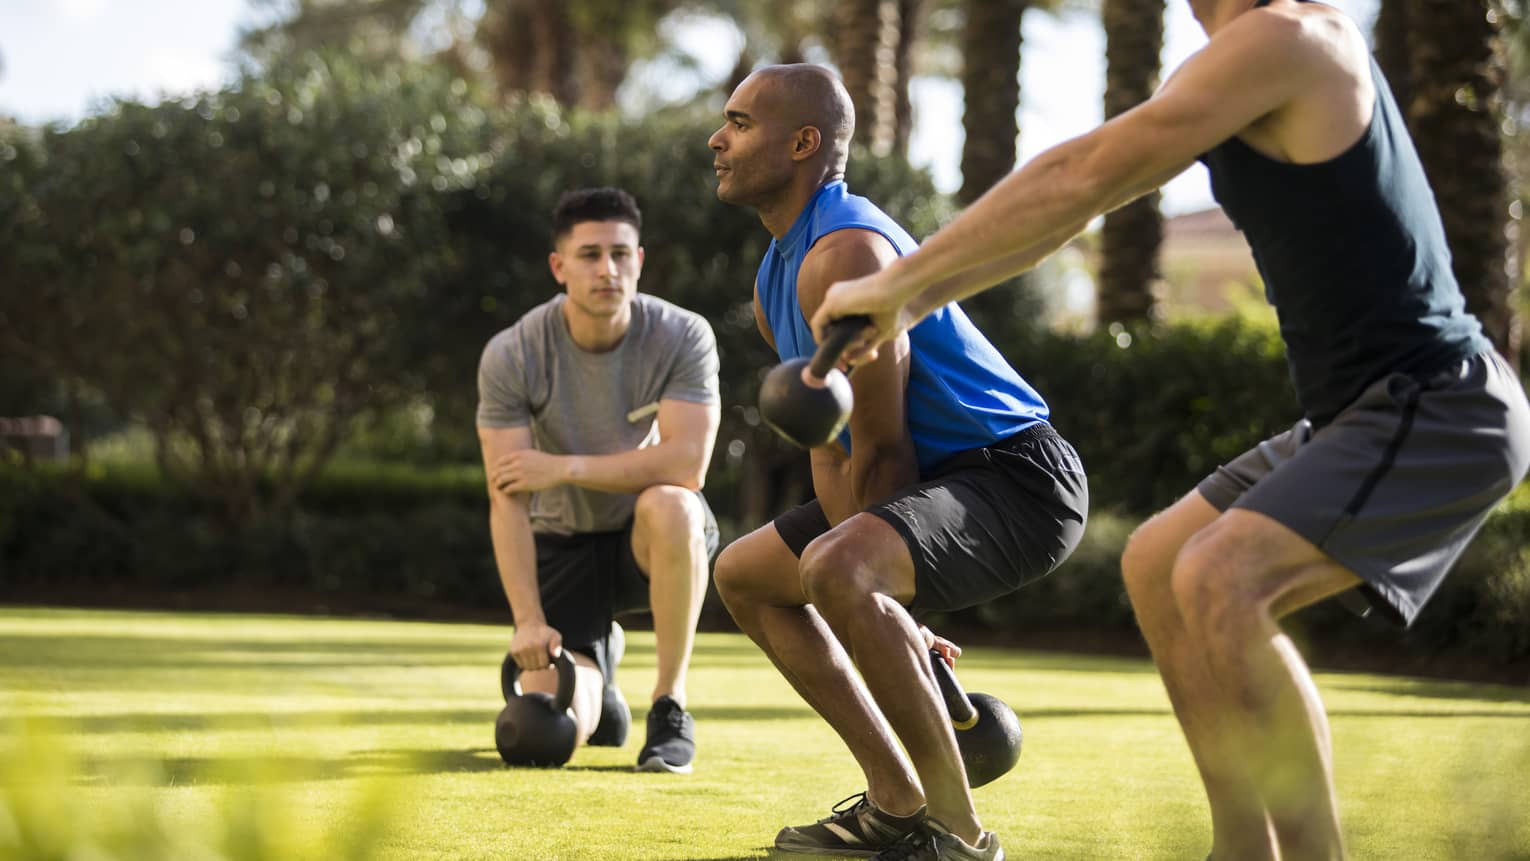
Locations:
{"points": [[666, 315]]}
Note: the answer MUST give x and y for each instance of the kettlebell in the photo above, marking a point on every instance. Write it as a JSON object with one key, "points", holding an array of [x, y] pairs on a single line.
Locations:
{"points": [[535, 728], [987, 730], [809, 402]]}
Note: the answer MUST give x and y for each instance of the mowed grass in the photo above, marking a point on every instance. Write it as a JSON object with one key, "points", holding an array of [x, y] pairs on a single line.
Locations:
{"points": [[172, 714]]}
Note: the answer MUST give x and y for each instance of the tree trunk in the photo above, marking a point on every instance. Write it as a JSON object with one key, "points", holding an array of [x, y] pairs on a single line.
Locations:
{"points": [[910, 18], [866, 46], [1131, 237], [1392, 53], [1456, 115], [990, 46]]}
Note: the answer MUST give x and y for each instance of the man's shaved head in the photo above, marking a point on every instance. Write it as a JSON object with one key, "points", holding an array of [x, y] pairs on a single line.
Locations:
{"points": [[802, 94]]}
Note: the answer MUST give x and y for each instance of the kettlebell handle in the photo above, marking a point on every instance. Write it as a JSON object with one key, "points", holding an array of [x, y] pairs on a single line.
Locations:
{"points": [[564, 664], [841, 333], [958, 705]]}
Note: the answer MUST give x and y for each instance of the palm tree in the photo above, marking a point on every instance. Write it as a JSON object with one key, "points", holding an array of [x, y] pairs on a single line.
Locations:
{"points": [[910, 32], [1391, 39], [990, 50], [1132, 235], [1458, 68], [865, 40]]}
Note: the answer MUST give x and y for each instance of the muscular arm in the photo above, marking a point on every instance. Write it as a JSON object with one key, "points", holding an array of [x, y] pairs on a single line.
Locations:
{"points": [[687, 432], [1255, 67], [881, 450], [510, 530]]}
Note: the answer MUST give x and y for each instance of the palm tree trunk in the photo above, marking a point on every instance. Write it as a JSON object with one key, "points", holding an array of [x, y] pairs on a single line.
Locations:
{"points": [[865, 47], [1132, 235], [1392, 54], [990, 45], [1455, 115], [910, 18]]}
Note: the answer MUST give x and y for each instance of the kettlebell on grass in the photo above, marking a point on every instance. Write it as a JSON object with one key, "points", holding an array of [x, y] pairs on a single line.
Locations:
{"points": [[809, 402], [536, 728], [987, 730]]}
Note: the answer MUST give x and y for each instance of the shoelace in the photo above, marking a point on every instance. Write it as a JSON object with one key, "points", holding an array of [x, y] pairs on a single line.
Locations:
{"points": [[918, 842], [839, 809], [675, 719]]}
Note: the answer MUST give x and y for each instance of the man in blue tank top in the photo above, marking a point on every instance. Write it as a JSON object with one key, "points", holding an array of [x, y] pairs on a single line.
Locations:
{"points": [[1414, 427], [948, 488]]}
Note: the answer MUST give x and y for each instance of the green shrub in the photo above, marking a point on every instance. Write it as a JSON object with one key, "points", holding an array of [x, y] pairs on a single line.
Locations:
{"points": [[1154, 409]]}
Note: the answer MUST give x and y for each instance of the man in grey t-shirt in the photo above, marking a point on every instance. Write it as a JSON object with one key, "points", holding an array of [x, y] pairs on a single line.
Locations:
{"points": [[597, 415]]}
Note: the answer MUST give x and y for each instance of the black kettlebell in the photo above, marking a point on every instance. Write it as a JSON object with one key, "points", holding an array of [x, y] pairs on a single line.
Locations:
{"points": [[809, 402], [535, 728], [987, 730]]}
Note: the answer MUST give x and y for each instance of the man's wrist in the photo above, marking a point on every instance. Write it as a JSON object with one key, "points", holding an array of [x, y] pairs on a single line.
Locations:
{"points": [[573, 468]]}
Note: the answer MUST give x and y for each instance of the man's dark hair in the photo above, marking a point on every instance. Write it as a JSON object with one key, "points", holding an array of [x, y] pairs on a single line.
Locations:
{"points": [[594, 204]]}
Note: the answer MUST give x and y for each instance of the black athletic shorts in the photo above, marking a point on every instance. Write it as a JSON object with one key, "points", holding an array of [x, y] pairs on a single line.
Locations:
{"points": [[588, 579], [980, 524], [1397, 484]]}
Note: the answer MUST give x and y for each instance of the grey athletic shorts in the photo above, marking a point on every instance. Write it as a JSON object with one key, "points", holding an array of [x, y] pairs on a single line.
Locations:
{"points": [[983, 523], [1396, 486]]}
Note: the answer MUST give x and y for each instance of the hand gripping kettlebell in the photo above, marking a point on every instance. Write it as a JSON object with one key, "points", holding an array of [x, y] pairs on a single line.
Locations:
{"points": [[806, 401], [535, 728], [987, 730]]}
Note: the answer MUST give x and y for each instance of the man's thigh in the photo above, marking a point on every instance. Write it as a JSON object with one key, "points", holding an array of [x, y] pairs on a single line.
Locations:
{"points": [[992, 520], [1398, 484]]}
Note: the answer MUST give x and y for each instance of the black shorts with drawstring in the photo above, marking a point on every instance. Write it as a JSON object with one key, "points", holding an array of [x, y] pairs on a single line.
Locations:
{"points": [[980, 524]]}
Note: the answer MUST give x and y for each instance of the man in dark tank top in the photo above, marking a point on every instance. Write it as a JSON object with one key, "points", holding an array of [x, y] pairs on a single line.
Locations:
{"points": [[1414, 428]]}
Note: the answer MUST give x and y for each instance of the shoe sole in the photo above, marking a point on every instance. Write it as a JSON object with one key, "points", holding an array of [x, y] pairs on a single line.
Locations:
{"points": [[656, 764]]}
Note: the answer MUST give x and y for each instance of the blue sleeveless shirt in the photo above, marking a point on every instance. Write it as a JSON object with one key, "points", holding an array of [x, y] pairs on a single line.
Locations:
{"points": [[1353, 257], [962, 394]]}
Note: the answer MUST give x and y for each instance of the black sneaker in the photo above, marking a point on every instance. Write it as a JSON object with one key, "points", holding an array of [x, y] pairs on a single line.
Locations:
{"points": [[859, 829], [932, 842], [615, 717], [671, 741]]}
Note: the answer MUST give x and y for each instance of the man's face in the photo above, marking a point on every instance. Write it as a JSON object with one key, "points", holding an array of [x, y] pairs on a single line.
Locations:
{"points": [[599, 263], [752, 151]]}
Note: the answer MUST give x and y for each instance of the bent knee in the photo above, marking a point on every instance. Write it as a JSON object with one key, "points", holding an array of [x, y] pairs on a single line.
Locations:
{"points": [[732, 573], [833, 570], [667, 509], [1211, 585]]}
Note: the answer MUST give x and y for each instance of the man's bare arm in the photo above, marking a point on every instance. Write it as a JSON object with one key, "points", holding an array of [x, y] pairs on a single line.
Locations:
{"points": [[882, 459], [687, 432], [1255, 66], [515, 553]]}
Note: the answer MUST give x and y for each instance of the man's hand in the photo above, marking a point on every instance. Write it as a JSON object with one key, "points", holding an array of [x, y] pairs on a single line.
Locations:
{"points": [[535, 646], [874, 296], [948, 650], [527, 470]]}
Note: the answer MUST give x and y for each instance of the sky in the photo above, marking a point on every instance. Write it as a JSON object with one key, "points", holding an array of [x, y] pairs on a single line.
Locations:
{"points": [[60, 59]]}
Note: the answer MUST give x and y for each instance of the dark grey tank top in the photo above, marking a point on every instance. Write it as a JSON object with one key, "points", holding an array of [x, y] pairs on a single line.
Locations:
{"points": [[1353, 257]]}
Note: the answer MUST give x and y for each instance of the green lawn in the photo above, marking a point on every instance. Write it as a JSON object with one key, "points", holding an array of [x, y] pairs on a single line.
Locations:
{"points": [[298, 737]]}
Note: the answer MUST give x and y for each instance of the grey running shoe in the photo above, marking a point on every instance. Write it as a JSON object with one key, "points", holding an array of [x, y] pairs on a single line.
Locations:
{"points": [[931, 841], [854, 827], [615, 717], [671, 743]]}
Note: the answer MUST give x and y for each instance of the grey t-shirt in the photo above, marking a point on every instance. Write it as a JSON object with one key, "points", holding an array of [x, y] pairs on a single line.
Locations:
{"points": [[577, 402]]}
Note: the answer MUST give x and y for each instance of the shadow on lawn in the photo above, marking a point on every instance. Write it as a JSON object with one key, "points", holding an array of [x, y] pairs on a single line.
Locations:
{"points": [[152, 722]]}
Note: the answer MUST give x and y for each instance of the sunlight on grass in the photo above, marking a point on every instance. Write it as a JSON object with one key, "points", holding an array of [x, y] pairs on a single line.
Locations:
{"points": [[246, 737]]}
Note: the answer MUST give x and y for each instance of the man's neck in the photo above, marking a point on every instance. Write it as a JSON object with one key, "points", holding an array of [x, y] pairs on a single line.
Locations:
{"points": [[780, 214], [1213, 15], [596, 334]]}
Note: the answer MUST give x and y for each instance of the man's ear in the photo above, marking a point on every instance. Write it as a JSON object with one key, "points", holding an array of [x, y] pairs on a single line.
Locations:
{"points": [[806, 143], [555, 263]]}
